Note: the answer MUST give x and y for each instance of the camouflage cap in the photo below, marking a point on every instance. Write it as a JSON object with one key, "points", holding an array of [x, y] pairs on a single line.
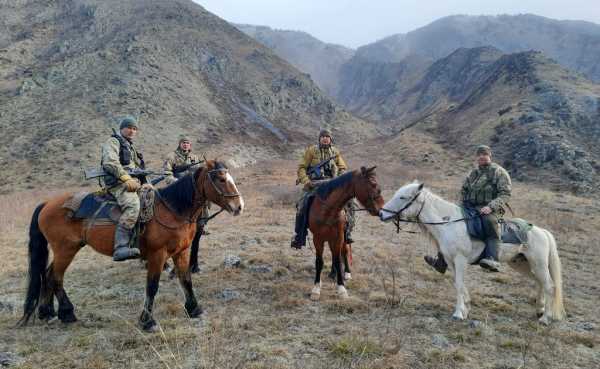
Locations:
{"points": [[484, 149], [128, 121], [184, 138], [325, 133]]}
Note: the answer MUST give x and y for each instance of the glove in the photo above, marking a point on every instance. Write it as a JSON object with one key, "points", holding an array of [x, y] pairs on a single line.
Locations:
{"points": [[309, 186], [132, 184]]}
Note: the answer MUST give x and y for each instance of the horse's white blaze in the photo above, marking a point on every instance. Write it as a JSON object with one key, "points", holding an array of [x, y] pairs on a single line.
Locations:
{"points": [[232, 203], [454, 242]]}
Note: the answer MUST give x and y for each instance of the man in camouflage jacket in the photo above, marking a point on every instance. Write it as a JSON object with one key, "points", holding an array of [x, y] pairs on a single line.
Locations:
{"points": [[119, 155], [312, 156], [182, 157], [487, 189]]}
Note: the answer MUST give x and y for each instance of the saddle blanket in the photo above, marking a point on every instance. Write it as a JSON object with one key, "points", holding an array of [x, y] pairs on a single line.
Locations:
{"points": [[102, 206]]}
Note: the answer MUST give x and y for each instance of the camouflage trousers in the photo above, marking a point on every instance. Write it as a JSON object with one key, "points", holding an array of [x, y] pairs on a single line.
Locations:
{"points": [[129, 202]]}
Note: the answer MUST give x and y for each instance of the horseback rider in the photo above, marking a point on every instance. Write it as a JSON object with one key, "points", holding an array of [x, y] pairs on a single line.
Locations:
{"points": [[181, 157], [119, 155], [177, 160], [314, 155], [487, 189]]}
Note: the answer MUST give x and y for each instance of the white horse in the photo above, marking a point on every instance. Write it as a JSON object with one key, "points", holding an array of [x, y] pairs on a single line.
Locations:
{"points": [[537, 258]]}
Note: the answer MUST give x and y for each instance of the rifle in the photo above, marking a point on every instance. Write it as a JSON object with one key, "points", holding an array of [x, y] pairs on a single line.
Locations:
{"points": [[314, 172], [178, 170], [99, 172]]}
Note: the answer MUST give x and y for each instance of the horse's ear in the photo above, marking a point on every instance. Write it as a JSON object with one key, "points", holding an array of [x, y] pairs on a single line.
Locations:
{"points": [[372, 169], [421, 186], [363, 171]]}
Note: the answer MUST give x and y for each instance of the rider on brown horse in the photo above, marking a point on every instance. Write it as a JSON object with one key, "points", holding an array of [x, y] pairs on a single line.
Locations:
{"points": [[177, 164], [333, 165], [118, 156]]}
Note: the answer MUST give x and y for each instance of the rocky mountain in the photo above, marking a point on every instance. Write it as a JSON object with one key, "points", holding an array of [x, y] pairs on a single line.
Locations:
{"points": [[542, 119], [573, 44], [319, 59], [70, 68]]}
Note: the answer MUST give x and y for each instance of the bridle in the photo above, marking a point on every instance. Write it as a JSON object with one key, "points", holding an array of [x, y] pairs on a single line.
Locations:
{"points": [[200, 200], [398, 215], [219, 191]]}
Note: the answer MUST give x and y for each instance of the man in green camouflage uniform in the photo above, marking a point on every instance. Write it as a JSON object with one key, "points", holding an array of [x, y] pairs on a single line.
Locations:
{"points": [[119, 155], [487, 189], [177, 160], [312, 156]]}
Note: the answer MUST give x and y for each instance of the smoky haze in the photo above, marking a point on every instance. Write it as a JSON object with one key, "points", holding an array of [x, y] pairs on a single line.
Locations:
{"points": [[354, 23]]}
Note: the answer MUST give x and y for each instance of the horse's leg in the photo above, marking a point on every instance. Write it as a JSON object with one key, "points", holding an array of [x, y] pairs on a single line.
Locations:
{"points": [[544, 303], [319, 245], [182, 262], [194, 250], [461, 311], [336, 254], [46, 309], [346, 252], [156, 260], [61, 261]]}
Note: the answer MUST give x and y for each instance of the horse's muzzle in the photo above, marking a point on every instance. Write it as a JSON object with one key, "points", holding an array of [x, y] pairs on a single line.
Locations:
{"points": [[385, 216]]}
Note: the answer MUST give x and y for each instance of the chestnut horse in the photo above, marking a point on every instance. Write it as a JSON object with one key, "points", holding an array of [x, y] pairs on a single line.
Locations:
{"points": [[168, 234], [327, 219]]}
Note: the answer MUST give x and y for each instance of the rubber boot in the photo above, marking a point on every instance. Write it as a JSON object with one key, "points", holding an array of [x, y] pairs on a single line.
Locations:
{"points": [[438, 263], [490, 258]]}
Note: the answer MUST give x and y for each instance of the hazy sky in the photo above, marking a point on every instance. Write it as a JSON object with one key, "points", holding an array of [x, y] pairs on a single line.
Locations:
{"points": [[357, 22]]}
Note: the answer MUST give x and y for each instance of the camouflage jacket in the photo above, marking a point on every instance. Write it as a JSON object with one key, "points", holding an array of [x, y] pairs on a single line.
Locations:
{"points": [[315, 154], [119, 154], [176, 159], [488, 185]]}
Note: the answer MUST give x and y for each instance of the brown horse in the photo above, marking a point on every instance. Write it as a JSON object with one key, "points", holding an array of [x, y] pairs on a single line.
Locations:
{"points": [[327, 219], [168, 234]]}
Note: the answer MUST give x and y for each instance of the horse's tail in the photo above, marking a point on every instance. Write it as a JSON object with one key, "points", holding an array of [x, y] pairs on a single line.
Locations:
{"points": [[558, 310], [38, 261]]}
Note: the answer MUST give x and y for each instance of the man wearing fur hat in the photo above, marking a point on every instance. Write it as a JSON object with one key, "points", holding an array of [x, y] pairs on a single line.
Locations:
{"points": [[487, 189], [313, 155], [118, 156]]}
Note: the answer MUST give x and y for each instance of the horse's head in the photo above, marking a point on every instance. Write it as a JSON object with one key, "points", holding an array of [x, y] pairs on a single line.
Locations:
{"points": [[406, 201], [367, 190], [220, 188]]}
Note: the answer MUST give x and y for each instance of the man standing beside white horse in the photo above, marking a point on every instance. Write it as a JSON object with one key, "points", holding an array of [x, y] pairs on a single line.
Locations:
{"points": [[534, 254]]}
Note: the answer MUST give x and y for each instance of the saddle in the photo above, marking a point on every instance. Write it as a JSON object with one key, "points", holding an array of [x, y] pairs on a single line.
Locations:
{"points": [[102, 208], [513, 231]]}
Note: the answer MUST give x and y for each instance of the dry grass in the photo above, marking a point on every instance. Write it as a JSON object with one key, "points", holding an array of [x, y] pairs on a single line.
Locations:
{"points": [[396, 306]]}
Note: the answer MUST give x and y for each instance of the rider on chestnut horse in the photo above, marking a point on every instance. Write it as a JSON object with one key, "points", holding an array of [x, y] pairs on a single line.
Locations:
{"points": [[332, 165]]}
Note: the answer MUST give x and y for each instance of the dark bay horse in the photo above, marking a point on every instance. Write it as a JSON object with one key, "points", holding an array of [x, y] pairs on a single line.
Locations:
{"points": [[327, 219], [167, 235]]}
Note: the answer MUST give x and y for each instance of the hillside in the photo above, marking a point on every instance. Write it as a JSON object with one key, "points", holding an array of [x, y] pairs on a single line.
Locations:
{"points": [[319, 59], [70, 68]]}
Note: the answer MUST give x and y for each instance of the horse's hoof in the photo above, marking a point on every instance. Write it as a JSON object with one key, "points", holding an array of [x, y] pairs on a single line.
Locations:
{"points": [[46, 313], [544, 320], [194, 269], [341, 292], [195, 312], [315, 296], [68, 317], [539, 315], [457, 318], [347, 276], [149, 326]]}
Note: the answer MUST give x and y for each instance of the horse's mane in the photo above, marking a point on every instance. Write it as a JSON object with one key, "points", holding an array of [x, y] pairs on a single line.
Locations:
{"points": [[179, 195], [326, 188]]}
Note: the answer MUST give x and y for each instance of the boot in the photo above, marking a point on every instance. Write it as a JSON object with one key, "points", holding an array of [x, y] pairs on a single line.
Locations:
{"points": [[438, 263], [490, 255], [122, 251], [299, 239]]}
